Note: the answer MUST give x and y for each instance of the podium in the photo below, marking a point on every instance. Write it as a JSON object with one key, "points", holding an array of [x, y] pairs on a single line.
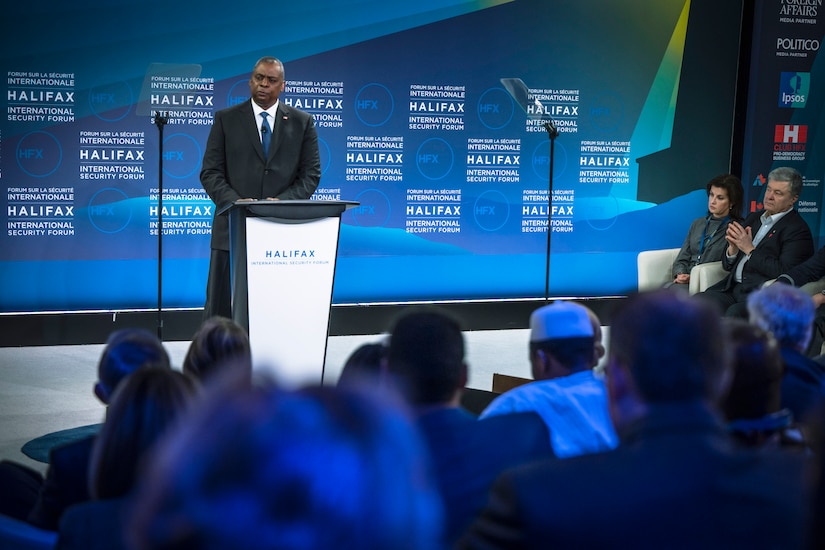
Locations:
{"points": [[282, 266]]}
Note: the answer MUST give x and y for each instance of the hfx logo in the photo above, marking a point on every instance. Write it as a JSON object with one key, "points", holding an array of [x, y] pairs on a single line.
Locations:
{"points": [[759, 181], [491, 210], [111, 102], [374, 209], [238, 93], [109, 210], [39, 154], [181, 156], [434, 158], [374, 104], [495, 108]]}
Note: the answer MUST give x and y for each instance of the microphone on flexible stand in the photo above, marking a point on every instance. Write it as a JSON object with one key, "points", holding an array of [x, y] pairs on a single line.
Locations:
{"points": [[548, 121]]}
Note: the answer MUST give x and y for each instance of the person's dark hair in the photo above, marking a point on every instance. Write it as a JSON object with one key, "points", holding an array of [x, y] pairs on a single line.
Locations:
{"points": [[574, 353], [791, 175], [141, 410], [322, 467], [755, 388], [219, 343], [736, 193], [426, 355], [126, 351], [672, 345], [363, 366]]}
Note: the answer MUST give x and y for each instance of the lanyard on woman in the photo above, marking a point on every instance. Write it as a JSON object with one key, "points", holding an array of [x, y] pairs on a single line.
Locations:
{"points": [[709, 238]]}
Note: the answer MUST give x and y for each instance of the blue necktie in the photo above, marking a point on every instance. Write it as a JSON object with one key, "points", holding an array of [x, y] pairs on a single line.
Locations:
{"points": [[266, 133]]}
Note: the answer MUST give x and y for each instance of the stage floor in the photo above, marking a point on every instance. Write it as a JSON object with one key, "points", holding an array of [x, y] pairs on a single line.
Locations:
{"points": [[47, 389]]}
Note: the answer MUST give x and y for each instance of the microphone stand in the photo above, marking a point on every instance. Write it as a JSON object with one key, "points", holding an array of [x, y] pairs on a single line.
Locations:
{"points": [[553, 133], [160, 121]]}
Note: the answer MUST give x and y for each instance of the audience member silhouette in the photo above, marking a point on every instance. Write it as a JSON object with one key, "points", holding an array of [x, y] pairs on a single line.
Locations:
{"points": [[318, 468], [363, 366], [143, 408], [566, 393], [426, 357], [67, 480], [218, 344], [21, 485], [677, 480], [787, 312], [752, 406]]}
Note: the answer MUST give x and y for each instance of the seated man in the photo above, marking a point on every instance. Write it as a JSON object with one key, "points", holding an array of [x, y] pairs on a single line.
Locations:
{"points": [[765, 245], [566, 393], [677, 480], [788, 313], [426, 358]]}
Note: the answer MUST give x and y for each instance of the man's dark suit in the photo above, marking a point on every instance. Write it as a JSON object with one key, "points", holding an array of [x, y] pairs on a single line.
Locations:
{"points": [[468, 454], [234, 167], [787, 244], [808, 271], [675, 481]]}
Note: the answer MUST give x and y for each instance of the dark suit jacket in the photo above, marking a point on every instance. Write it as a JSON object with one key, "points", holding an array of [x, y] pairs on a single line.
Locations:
{"points": [[468, 454], [803, 385], [234, 166], [675, 481], [808, 271], [66, 483], [788, 244]]}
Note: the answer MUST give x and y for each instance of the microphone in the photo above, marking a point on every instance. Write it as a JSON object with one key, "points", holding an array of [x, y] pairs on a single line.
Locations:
{"points": [[548, 120], [263, 129]]}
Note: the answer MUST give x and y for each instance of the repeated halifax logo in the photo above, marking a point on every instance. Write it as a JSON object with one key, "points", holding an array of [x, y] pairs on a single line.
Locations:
{"points": [[794, 89]]}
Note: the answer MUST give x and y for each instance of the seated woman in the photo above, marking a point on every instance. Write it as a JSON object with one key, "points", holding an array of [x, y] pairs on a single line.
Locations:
{"points": [[705, 241]]}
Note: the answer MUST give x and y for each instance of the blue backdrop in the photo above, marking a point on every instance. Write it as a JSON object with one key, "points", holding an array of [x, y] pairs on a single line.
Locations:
{"points": [[414, 123]]}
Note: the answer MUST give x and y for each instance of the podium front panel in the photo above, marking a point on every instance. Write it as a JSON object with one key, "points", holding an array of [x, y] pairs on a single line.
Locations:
{"points": [[290, 267]]}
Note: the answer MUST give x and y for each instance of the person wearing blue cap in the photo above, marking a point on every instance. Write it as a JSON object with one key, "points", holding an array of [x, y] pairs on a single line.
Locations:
{"points": [[565, 346]]}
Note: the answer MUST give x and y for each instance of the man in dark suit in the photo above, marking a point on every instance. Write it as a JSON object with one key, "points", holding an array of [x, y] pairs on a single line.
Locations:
{"points": [[676, 480], [765, 245], [426, 358], [236, 167]]}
